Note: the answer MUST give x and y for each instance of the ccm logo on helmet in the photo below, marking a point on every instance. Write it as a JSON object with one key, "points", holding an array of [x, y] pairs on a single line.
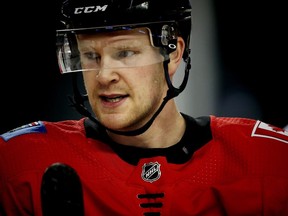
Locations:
{"points": [[90, 9]]}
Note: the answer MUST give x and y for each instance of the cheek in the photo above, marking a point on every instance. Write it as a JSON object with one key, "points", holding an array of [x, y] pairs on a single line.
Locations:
{"points": [[159, 77], [89, 82], [153, 80]]}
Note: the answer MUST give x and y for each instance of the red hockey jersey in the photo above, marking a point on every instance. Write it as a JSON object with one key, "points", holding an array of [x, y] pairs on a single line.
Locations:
{"points": [[221, 166]]}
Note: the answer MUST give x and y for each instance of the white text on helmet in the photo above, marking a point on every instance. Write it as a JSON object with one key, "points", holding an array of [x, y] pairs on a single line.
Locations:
{"points": [[89, 9]]}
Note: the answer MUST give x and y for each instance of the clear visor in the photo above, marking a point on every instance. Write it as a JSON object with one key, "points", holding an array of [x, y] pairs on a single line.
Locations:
{"points": [[98, 51]]}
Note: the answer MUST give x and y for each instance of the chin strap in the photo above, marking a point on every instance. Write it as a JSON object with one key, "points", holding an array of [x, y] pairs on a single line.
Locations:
{"points": [[78, 100]]}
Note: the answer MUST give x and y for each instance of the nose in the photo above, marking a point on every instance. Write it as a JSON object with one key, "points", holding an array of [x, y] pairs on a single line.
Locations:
{"points": [[107, 73]]}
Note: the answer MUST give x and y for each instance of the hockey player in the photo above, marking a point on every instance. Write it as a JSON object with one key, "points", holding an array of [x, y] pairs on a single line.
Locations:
{"points": [[133, 152]]}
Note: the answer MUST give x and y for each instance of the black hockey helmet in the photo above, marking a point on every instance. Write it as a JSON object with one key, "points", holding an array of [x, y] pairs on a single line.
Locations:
{"points": [[166, 19]]}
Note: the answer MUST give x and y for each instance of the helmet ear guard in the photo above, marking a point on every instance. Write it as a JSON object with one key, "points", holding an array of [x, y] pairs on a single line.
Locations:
{"points": [[164, 35], [168, 33], [169, 37]]}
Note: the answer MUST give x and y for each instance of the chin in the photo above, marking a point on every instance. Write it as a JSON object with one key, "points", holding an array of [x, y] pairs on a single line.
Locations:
{"points": [[113, 122]]}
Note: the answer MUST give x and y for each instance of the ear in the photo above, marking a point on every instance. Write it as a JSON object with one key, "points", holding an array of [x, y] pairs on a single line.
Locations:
{"points": [[176, 56]]}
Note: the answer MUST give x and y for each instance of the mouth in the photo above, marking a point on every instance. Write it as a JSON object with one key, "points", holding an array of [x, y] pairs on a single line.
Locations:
{"points": [[112, 101]]}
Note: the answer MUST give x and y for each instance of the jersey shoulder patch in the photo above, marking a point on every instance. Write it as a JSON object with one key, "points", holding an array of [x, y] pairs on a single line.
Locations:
{"points": [[265, 130], [34, 127]]}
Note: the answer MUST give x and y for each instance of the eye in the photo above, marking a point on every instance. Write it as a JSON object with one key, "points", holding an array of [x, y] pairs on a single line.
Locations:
{"points": [[92, 56], [125, 53]]}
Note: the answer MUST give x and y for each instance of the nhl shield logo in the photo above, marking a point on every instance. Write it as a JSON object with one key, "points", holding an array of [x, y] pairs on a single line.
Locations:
{"points": [[151, 172]]}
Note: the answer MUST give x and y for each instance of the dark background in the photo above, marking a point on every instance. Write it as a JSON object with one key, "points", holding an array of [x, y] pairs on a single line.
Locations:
{"points": [[251, 44]]}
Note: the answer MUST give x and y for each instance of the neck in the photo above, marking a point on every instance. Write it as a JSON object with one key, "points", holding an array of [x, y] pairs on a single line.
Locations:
{"points": [[166, 130]]}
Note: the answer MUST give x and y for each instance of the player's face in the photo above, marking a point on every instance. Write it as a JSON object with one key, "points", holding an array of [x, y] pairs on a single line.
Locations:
{"points": [[123, 76]]}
